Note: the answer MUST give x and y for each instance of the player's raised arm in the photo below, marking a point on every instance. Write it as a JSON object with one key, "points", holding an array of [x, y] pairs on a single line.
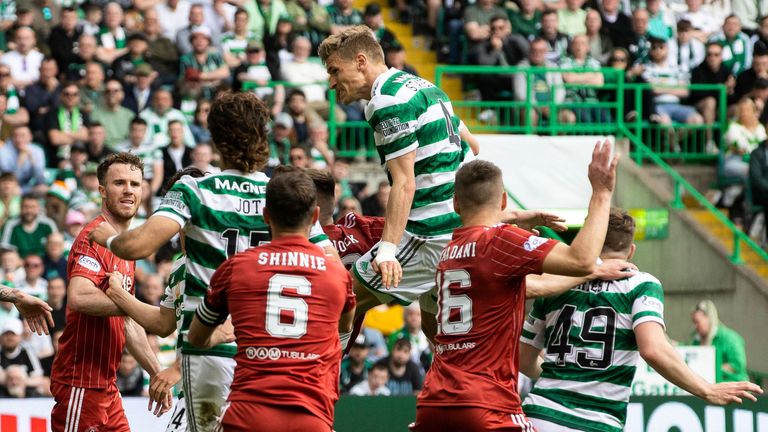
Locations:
{"points": [[580, 257], [662, 357], [546, 285]]}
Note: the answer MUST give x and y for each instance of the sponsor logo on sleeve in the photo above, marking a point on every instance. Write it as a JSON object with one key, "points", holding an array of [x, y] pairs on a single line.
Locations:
{"points": [[652, 303], [89, 263], [533, 243], [173, 199], [391, 126]]}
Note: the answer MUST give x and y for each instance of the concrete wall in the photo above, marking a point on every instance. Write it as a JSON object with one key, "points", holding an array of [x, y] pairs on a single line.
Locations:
{"points": [[692, 265]]}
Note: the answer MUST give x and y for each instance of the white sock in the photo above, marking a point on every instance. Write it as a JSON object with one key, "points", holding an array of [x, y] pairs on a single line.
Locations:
{"points": [[344, 338]]}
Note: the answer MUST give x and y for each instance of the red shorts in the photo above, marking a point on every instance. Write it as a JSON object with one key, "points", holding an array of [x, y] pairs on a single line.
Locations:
{"points": [[468, 419], [87, 410], [248, 417]]}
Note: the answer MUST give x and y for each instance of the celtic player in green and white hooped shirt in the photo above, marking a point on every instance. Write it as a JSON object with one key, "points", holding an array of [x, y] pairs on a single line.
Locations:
{"points": [[220, 215], [421, 143], [592, 336]]}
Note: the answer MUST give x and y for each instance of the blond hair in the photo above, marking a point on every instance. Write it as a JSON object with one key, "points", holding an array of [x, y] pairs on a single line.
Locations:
{"points": [[349, 43]]}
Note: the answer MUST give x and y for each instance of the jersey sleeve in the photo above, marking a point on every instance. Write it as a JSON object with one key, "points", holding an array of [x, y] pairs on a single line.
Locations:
{"points": [[517, 252], [87, 262], [535, 325], [178, 200], [214, 310], [318, 236], [394, 123], [648, 304]]}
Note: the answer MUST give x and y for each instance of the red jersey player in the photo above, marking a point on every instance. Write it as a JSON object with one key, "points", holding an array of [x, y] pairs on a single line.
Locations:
{"points": [[352, 235], [288, 301], [84, 370], [472, 384]]}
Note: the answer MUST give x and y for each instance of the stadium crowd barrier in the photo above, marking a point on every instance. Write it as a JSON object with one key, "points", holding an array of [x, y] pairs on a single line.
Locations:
{"points": [[601, 115], [394, 413]]}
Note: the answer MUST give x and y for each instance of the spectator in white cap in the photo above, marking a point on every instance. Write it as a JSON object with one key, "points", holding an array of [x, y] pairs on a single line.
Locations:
{"points": [[13, 353], [202, 70]]}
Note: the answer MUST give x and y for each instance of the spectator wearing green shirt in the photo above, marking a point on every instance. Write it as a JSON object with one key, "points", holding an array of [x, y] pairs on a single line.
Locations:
{"points": [[477, 20], [112, 37], [571, 19], [28, 232], [588, 77], [354, 368], [203, 69], [115, 118], [730, 354], [661, 23], [420, 351], [737, 48], [310, 20], [234, 43], [525, 18], [343, 15], [558, 42]]}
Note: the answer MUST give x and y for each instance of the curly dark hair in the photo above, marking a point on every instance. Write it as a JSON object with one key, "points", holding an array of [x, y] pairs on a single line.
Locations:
{"points": [[190, 171], [238, 125], [118, 158]]}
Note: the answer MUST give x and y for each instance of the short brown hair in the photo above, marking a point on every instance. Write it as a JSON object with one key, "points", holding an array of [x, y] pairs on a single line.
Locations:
{"points": [[324, 181], [621, 231], [478, 184], [291, 198], [238, 123], [118, 158], [350, 42]]}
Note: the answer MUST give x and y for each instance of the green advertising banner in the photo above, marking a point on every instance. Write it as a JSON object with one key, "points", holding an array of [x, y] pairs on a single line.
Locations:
{"points": [[650, 223], [646, 414]]}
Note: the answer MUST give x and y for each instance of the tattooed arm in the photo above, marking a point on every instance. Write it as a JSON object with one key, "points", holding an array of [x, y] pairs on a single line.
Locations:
{"points": [[35, 312]]}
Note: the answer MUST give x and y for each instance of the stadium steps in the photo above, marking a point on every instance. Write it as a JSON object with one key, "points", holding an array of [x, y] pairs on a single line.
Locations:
{"points": [[716, 228], [417, 50]]}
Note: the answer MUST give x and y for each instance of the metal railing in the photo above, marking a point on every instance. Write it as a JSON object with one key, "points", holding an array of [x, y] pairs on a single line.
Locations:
{"points": [[563, 109], [681, 185]]}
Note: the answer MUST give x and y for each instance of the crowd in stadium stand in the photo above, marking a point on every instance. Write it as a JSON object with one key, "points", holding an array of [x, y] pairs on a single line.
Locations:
{"points": [[81, 80]]}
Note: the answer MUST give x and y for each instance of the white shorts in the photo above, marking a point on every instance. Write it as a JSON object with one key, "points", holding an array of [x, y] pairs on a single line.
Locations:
{"points": [[545, 426], [206, 381], [178, 421], [418, 256]]}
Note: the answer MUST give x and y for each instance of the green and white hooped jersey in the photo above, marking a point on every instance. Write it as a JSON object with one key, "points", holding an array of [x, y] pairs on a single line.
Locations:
{"points": [[222, 214], [591, 351], [173, 297], [409, 113]]}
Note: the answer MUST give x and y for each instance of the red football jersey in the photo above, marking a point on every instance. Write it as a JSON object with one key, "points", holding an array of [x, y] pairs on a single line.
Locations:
{"points": [[481, 300], [90, 347], [285, 299], [354, 235]]}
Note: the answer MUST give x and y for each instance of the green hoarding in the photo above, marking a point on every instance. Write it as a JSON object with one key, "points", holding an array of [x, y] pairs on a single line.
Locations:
{"points": [[646, 414]]}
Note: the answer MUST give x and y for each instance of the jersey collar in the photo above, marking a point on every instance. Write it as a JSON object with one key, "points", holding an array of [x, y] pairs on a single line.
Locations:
{"points": [[381, 79]]}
